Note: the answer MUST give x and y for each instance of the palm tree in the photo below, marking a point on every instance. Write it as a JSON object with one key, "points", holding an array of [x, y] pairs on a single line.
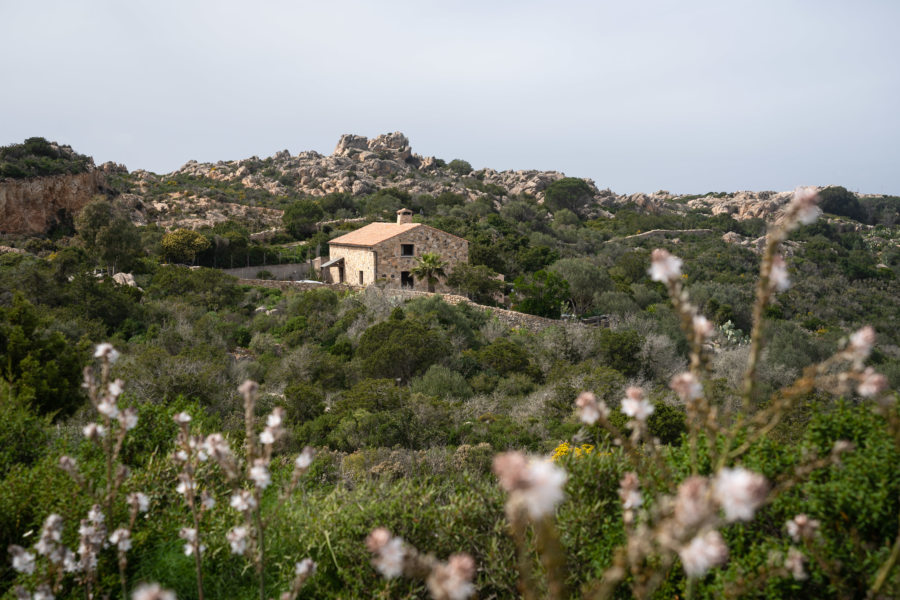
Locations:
{"points": [[430, 267]]}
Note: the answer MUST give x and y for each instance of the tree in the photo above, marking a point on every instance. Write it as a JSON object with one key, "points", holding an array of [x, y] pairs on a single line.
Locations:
{"points": [[460, 166], [431, 267], [108, 233], [399, 349], [541, 294], [478, 282], [183, 245], [585, 281], [569, 192], [37, 362], [301, 217], [840, 201]]}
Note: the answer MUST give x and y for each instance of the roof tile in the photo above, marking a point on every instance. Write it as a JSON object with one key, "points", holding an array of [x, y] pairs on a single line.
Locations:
{"points": [[373, 233]]}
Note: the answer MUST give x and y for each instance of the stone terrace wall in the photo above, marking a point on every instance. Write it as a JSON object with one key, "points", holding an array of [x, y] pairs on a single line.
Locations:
{"points": [[286, 271], [510, 318]]}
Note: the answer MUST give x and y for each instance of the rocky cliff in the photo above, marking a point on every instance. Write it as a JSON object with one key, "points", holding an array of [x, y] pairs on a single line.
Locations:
{"points": [[32, 206]]}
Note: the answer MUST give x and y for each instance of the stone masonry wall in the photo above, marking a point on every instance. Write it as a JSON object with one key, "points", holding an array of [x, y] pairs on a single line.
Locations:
{"points": [[355, 260], [390, 263], [286, 271]]}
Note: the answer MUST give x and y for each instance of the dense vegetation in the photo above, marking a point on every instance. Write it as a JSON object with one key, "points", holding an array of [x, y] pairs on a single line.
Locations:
{"points": [[407, 402], [36, 157]]}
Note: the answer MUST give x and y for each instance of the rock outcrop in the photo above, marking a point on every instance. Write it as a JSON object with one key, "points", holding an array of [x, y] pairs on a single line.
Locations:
{"points": [[32, 206], [360, 166]]}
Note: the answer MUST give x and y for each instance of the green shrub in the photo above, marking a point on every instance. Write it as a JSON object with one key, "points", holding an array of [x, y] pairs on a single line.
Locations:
{"points": [[621, 349], [399, 349], [439, 381], [459, 166]]}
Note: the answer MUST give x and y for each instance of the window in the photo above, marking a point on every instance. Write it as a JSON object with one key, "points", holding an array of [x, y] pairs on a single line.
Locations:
{"points": [[360, 278], [406, 250]]}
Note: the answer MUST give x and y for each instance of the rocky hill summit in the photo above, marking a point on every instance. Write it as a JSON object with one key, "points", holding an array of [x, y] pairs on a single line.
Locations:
{"points": [[359, 166]]}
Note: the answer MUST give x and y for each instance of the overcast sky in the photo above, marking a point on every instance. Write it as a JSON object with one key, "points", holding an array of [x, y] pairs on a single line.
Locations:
{"points": [[689, 96]]}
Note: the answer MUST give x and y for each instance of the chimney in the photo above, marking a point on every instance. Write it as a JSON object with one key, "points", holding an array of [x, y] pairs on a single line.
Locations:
{"points": [[404, 215]]}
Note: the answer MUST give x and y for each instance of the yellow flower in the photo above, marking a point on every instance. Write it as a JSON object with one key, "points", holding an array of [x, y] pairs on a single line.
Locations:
{"points": [[565, 449]]}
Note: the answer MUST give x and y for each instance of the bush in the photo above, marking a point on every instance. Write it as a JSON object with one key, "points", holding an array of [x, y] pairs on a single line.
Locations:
{"points": [[459, 166], [542, 294], [439, 381], [37, 157], [568, 193], [621, 350], [38, 363], [503, 357], [210, 288], [399, 349]]}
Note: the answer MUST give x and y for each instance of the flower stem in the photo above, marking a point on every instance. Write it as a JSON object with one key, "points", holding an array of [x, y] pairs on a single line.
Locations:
{"points": [[885, 569]]}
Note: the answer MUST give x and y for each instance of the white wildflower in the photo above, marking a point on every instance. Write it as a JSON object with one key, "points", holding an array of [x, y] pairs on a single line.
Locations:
{"points": [[121, 538], [452, 581], [237, 539], [589, 409], [794, 563], [304, 459], [243, 501], [305, 568], [635, 405], [687, 387], [95, 515], [106, 351], [108, 407], [389, 552], [804, 205], [275, 419], [872, 383], [93, 431], [22, 561], [141, 500], [629, 491], [536, 483], [71, 564], [182, 418], [267, 437], [116, 388], [664, 266], [778, 274], [128, 419], [802, 527], [185, 486], [740, 492], [703, 329], [259, 473], [43, 592], [152, 591], [702, 553]]}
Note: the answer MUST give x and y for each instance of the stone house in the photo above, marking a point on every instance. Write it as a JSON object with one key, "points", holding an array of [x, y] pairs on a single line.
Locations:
{"points": [[386, 253]]}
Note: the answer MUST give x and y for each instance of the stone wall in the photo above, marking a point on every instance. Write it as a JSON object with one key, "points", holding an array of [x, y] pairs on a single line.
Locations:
{"points": [[390, 263], [290, 271], [355, 260]]}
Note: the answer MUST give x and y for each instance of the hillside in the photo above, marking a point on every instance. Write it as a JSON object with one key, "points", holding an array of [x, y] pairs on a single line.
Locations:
{"points": [[612, 443]]}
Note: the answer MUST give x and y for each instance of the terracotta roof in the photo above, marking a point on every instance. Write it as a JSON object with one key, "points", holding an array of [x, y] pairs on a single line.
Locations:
{"points": [[373, 233]]}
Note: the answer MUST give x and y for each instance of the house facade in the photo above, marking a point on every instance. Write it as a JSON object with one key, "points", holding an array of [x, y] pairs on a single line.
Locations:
{"points": [[386, 253]]}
